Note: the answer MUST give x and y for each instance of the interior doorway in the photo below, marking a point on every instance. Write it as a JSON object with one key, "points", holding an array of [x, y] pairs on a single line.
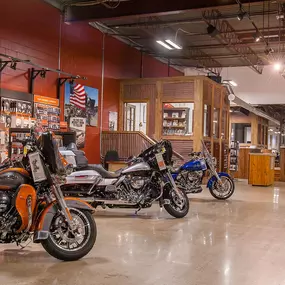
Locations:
{"points": [[135, 117]]}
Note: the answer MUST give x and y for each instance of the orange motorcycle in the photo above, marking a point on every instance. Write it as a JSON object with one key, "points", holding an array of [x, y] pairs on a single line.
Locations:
{"points": [[32, 206]]}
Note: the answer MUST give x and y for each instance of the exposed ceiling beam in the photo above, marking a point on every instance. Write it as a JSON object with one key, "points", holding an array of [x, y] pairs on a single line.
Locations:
{"points": [[139, 8], [231, 40], [150, 22]]}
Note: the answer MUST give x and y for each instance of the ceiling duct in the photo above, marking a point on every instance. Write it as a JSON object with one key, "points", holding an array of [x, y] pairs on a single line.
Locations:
{"points": [[239, 102]]}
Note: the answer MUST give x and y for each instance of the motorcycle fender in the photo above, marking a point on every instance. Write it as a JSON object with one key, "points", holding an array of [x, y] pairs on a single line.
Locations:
{"points": [[45, 219], [214, 178]]}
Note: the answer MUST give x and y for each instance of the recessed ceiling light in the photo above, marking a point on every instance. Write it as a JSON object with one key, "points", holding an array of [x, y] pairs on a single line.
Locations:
{"points": [[164, 45], [173, 44]]}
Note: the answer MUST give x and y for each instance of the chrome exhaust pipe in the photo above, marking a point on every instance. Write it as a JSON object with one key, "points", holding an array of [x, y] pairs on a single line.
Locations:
{"points": [[107, 202]]}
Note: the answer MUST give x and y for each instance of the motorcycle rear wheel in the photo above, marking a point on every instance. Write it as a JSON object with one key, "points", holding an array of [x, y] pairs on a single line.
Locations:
{"points": [[64, 245], [176, 208]]}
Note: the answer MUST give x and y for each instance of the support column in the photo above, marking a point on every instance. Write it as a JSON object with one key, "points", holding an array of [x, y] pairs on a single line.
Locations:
{"points": [[198, 114]]}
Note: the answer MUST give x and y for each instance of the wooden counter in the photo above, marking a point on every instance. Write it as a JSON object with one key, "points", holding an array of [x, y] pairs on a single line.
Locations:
{"points": [[261, 169], [116, 165]]}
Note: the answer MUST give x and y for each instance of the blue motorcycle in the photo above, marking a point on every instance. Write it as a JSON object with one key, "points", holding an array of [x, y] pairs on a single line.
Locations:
{"points": [[190, 175]]}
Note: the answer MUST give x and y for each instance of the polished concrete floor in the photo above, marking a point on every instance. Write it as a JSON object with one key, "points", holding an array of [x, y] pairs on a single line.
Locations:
{"points": [[236, 242]]}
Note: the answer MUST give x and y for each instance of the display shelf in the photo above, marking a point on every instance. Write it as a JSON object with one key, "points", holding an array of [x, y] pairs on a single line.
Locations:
{"points": [[175, 121], [234, 156]]}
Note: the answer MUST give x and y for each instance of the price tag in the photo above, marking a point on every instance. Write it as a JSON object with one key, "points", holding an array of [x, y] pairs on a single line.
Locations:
{"points": [[160, 161]]}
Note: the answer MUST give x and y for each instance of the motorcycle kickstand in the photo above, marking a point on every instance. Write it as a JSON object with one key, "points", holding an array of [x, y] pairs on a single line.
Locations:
{"points": [[136, 212]]}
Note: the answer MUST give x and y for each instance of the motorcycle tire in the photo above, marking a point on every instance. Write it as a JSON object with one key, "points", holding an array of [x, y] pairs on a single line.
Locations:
{"points": [[56, 251], [231, 192], [172, 207]]}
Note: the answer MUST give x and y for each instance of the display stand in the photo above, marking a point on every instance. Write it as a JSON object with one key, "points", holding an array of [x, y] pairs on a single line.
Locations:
{"points": [[47, 112], [234, 156], [15, 145]]}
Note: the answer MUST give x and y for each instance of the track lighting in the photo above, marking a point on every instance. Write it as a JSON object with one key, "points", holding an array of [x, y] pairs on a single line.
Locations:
{"points": [[241, 13], [269, 51], [13, 65], [257, 37]]}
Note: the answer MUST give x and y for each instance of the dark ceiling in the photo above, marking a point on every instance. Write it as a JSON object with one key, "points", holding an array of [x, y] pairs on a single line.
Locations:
{"points": [[141, 24]]}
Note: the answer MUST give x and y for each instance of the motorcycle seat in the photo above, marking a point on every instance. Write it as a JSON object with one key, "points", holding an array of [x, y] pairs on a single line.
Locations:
{"points": [[103, 172]]}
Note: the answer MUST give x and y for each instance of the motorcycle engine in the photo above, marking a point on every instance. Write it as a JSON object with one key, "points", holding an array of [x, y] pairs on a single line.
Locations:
{"points": [[5, 202], [137, 182], [190, 180], [134, 190]]}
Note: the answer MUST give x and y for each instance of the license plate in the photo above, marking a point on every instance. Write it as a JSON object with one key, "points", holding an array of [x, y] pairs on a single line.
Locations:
{"points": [[160, 161], [37, 167]]}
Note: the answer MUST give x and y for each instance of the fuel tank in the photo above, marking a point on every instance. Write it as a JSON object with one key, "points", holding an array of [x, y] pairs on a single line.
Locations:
{"points": [[12, 178], [141, 166], [195, 165]]}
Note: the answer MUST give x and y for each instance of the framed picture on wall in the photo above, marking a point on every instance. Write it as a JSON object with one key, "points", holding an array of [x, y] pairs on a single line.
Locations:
{"points": [[81, 101]]}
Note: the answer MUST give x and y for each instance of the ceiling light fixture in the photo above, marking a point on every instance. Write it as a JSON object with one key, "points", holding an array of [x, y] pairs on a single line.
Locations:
{"points": [[164, 45], [173, 44], [269, 51], [231, 97], [277, 66], [241, 13], [257, 36]]}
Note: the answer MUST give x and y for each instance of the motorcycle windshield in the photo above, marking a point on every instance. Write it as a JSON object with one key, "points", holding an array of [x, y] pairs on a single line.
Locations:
{"points": [[51, 153]]}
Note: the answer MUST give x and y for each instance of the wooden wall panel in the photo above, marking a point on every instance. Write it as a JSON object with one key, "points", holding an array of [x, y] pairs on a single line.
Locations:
{"points": [[216, 153], [243, 164], [183, 147], [207, 92], [126, 144], [178, 90], [217, 97]]}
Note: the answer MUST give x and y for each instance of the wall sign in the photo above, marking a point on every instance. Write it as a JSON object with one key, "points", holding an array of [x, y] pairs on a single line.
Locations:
{"points": [[79, 126]]}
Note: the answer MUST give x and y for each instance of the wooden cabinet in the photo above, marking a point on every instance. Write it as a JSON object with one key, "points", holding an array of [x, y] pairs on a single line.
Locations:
{"points": [[261, 169]]}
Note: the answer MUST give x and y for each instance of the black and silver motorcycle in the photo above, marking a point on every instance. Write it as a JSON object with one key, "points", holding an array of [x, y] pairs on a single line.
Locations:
{"points": [[147, 179]]}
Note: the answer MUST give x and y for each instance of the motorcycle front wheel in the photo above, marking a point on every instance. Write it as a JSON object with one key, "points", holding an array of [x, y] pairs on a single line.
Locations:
{"points": [[67, 245], [177, 207], [223, 191]]}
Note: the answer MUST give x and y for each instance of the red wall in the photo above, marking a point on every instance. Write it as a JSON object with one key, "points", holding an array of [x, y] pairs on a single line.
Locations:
{"points": [[31, 30]]}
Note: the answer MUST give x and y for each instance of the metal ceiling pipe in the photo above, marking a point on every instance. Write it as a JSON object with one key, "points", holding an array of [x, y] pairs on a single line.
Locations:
{"points": [[248, 106]]}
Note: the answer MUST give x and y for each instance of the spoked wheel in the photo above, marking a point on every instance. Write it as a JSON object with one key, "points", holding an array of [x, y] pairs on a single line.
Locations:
{"points": [[66, 244], [224, 190], [177, 207]]}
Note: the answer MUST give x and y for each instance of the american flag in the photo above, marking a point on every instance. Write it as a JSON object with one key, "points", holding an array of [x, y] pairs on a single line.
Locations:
{"points": [[78, 96]]}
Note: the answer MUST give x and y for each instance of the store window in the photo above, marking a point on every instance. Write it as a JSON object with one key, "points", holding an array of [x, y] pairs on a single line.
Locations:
{"points": [[216, 123], [241, 133], [207, 121], [224, 130], [135, 116], [178, 119]]}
